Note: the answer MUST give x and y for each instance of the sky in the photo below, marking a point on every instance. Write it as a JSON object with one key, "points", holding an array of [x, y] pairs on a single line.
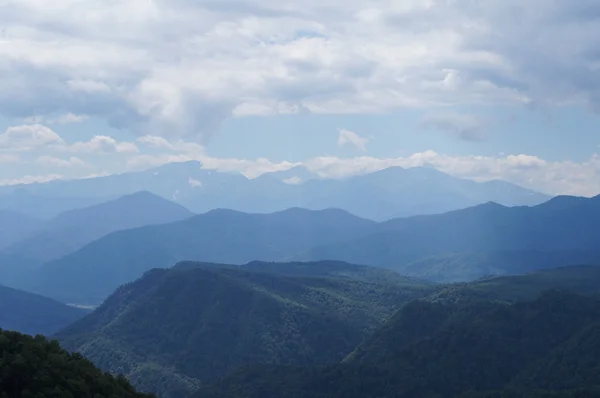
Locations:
{"points": [[495, 89]]}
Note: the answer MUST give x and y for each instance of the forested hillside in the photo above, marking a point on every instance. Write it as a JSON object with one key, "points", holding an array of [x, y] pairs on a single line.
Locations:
{"points": [[36, 367], [174, 328], [442, 349]]}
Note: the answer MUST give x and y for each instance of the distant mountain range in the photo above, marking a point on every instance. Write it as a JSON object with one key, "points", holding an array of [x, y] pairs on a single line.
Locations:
{"points": [[90, 274], [393, 192], [467, 244], [73, 229]]}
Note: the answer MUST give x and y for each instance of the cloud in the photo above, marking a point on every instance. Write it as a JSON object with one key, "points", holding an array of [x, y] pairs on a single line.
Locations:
{"points": [[70, 118], [26, 137], [9, 158], [101, 144], [464, 127], [50, 161], [29, 179], [179, 68], [347, 137], [178, 146], [554, 177], [194, 183], [293, 180]]}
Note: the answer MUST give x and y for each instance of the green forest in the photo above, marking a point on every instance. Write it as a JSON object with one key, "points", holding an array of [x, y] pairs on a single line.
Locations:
{"points": [[34, 367]]}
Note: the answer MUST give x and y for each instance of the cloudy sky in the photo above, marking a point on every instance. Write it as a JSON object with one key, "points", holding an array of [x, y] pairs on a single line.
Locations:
{"points": [[490, 89]]}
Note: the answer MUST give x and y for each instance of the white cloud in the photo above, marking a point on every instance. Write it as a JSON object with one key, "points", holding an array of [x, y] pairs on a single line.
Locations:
{"points": [[26, 137], [179, 68], [293, 180], [179, 146], [464, 127], [347, 137], [9, 158], [51, 161], [101, 144], [194, 183], [29, 179], [554, 177], [70, 118]]}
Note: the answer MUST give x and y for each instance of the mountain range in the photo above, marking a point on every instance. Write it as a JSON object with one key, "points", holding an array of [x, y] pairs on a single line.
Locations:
{"points": [[73, 229], [488, 239], [381, 195], [89, 275]]}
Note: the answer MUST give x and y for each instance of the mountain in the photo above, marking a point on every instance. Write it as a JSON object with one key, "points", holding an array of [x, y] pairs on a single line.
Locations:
{"points": [[582, 279], [381, 195], [36, 367], [459, 267], [32, 314], [173, 329], [538, 237], [398, 192], [467, 348], [15, 226], [73, 229], [89, 275], [23, 200]]}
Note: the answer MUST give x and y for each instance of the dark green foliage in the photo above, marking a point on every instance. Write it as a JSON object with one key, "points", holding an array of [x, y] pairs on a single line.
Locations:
{"points": [[33, 367], [543, 348], [173, 328], [32, 314]]}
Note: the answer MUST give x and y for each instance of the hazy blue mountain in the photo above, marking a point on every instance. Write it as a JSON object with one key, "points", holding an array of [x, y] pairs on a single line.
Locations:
{"points": [[32, 314], [15, 226], [393, 192], [176, 181], [195, 322], [25, 201], [490, 230], [457, 267], [73, 229], [90, 274]]}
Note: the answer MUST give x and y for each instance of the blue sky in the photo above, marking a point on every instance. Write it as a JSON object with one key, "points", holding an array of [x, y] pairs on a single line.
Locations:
{"points": [[483, 90]]}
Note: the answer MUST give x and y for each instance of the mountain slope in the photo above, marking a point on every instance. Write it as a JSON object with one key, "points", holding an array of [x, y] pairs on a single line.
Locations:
{"points": [[22, 200], [195, 322], [32, 314], [90, 274], [489, 229], [71, 230], [446, 350], [15, 226], [36, 367]]}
